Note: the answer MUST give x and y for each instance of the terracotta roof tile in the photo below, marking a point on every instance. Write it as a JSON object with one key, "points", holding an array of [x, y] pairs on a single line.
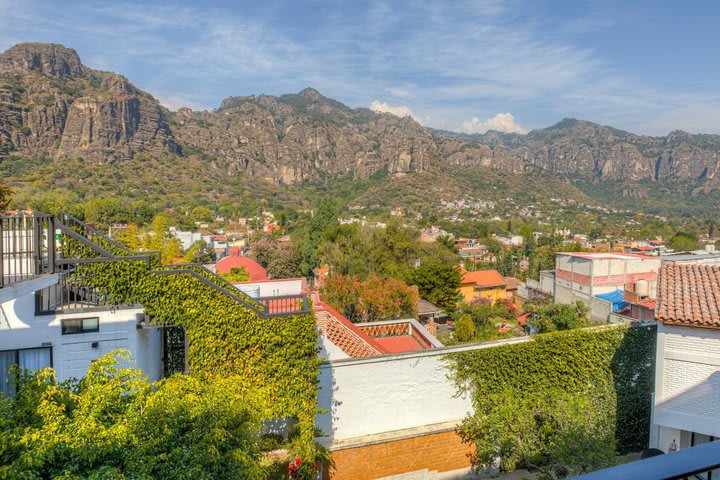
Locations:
{"points": [[483, 278], [689, 295]]}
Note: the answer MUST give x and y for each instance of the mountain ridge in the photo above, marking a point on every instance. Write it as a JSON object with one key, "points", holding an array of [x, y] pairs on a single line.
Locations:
{"points": [[52, 106]]}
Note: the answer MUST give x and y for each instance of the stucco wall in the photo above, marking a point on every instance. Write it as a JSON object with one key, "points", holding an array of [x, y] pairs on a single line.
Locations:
{"points": [[687, 379], [375, 395], [72, 354], [272, 288]]}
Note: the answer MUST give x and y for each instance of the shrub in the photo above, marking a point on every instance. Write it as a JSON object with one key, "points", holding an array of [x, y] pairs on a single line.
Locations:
{"points": [[464, 328]]}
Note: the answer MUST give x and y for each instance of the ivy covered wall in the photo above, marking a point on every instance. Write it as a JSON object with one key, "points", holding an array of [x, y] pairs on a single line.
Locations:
{"points": [[576, 397], [274, 359]]}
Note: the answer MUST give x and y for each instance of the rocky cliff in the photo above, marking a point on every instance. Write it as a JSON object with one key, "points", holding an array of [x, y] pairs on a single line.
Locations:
{"points": [[303, 136], [52, 105], [594, 152]]}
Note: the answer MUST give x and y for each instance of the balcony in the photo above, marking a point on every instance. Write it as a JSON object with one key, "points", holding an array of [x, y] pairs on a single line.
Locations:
{"points": [[695, 463]]}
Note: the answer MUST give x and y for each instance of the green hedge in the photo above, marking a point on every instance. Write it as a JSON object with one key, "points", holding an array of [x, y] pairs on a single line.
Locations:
{"points": [[611, 367]]}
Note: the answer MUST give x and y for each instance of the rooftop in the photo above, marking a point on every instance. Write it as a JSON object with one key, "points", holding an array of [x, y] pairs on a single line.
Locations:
{"points": [[689, 295], [483, 278], [606, 255]]}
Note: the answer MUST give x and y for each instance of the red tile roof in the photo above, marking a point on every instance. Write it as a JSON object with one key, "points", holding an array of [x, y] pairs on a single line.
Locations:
{"points": [[403, 343], [689, 295], [343, 333], [254, 269], [483, 278]]}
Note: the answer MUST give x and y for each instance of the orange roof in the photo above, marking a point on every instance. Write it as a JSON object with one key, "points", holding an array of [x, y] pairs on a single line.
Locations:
{"points": [[689, 295], [403, 343], [254, 269], [483, 278]]}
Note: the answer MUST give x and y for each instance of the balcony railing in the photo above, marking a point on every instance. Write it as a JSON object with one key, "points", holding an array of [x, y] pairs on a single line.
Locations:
{"points": [[27, 247], [695, 463]]}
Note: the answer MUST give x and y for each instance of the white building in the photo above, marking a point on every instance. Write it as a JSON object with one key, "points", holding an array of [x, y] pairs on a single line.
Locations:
{"points": [[581, 276], [687, 376], [273, 287]]}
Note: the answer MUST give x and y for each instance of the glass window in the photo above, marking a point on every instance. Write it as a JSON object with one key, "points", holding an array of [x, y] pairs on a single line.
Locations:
{"points": [[31, 359], [72, 326]]}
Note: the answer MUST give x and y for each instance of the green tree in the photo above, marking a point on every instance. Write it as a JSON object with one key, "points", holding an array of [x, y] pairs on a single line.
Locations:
{"points": [[464, 328], [105, 211], [5, 197], [200, 252], [201, 214], [371, 299], [555, 434], [438, 283], [114, 424], [684, 241], [551, 317], [236, 275], [159, 239]]}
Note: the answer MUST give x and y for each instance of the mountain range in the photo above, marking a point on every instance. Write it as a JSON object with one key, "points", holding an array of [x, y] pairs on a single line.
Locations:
{"points": [[55, 110]]}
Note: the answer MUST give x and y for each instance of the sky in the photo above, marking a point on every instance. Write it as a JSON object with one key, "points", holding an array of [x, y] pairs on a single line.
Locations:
{"points": [[647, 66]]}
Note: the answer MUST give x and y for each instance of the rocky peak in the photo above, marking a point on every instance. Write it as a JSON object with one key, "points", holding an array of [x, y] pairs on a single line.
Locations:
{"points": [[50, 59], [312, 94]]}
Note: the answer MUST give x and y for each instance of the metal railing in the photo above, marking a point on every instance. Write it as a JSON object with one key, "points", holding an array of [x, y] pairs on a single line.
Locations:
{"points": [[698, 462], [265, 308], [30, 248], [27, 247]]}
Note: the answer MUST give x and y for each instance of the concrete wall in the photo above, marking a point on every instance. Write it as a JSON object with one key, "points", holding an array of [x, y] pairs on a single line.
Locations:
{"points": [[687, 379], [72, 354], [377, 395], [273, 288]]}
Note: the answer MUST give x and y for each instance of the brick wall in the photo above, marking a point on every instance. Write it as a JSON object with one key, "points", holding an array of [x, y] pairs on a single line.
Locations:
{"points": [[441, 451]]}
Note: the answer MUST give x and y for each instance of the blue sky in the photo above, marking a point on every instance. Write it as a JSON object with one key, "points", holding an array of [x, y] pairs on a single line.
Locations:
{"points": [[645, 66]]}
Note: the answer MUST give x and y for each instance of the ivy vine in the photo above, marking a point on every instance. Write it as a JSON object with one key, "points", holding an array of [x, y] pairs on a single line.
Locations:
{"points": [[276, 359]]}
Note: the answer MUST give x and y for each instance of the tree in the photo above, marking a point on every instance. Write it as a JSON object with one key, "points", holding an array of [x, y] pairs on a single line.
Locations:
{"points": [[371, 299], [200, 252], [464, 328], [437, 283], [684, 241], [105, 211], [555, 434], [201, 214], [114, 424], [236, 275], [5, 197], [159, 239], [552, 317], [129, 237]]}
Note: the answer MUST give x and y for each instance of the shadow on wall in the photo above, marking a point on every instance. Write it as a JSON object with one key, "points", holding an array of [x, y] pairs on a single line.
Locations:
{"points": [[633, 366]]}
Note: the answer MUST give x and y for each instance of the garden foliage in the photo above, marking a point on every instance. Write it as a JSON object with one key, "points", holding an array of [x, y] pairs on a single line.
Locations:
{"points": [[563, 403]]}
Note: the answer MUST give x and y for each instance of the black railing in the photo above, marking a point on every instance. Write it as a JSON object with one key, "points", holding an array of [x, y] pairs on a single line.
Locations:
{"points": [[279, 306], [693, 463], [27, 247]]}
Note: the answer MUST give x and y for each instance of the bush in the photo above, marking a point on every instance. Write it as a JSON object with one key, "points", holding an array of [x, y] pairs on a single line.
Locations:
{"points": [[114, 424], [464, 328], [564, 403]]}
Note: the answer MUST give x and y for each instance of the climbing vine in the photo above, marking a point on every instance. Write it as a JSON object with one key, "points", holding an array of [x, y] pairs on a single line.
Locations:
{"points": [[582, 390], [274, 359]]}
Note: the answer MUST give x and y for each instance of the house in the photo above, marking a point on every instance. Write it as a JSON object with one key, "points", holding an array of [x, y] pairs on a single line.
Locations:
{"points": [[599, 279], [687, 373], [432, 317], [236, 260], [45, 321], [487, 284]]}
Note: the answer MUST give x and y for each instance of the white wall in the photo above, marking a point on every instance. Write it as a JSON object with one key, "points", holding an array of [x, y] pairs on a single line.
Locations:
{"points": [[382, 394], [72, 354], [272, 288], [687, 379]]}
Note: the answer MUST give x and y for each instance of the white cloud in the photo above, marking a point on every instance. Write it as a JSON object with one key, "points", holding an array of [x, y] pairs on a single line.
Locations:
{"points": [[398, 111], [502, 122]]}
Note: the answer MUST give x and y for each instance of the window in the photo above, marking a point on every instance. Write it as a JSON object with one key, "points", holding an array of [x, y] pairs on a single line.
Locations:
{"points": [[71, 326], [29, 359]]}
